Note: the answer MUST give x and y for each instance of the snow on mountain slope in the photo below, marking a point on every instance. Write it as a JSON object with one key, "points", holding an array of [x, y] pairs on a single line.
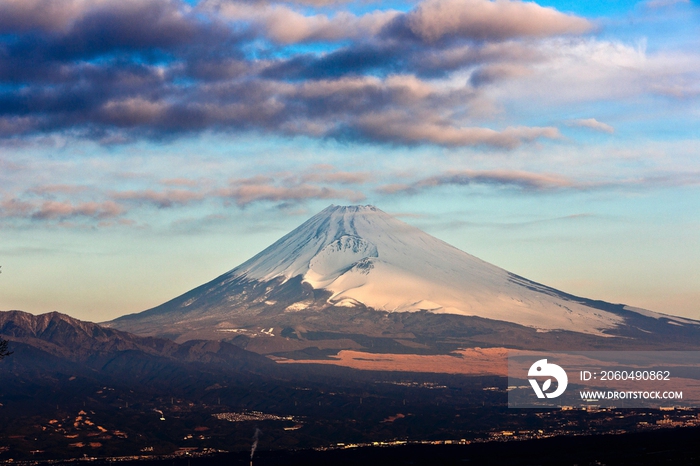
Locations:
{"points": [[362, 254]]}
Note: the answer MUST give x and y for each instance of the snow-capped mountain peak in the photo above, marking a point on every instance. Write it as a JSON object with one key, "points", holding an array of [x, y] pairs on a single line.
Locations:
{"points": [[357, 270], [362, 254]]}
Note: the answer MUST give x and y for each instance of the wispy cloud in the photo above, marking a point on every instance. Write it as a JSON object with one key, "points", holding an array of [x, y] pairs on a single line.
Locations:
{"points": [[592, 123], [161, 199], [247, 194], [288, 189], [539, 182], [110, 205], [325, 173], [663, 3], [62, 210], [511, 225], [502, 178], [397, 129], [59, 210], [52, 189]]}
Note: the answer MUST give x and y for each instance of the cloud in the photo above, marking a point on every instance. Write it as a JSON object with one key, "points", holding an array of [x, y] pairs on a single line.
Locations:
{"points": [[121, 71], [592, 123], [399, 109], [539, 182], [99, 210], [15, 208], [328, 174], [493, 73], [395, 128], [59, 189], [132, 111], [86, 27], [289, 188], [663, 3], [525, 181], [162, 199], [337, 177], [317, 182], [27, 15], [285, 25], [666, 179], [59, 210], [574, 70], [433, 20], [249, 193], [677, 90], [430, 21], [108, 203]]}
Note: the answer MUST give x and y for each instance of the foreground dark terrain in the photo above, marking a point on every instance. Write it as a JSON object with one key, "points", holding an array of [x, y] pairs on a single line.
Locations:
{"points": [[677, 447], [669, 447], [74, 389], [464, 417]]}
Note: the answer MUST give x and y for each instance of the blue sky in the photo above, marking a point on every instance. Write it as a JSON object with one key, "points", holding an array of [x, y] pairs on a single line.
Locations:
{"points": [[148, 146]]}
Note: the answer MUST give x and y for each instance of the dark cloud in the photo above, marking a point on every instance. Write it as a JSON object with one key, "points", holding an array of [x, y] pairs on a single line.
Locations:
{"points": [[356, 60], [65, 29], [382, 58], [493, 73], [117, 71]]}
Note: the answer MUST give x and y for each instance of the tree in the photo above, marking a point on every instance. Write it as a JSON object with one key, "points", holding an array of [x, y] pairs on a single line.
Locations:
{"points": [[3, 349]]}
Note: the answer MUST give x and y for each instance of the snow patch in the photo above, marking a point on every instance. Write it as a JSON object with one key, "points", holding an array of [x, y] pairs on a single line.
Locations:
{"points": [[300, 306]]}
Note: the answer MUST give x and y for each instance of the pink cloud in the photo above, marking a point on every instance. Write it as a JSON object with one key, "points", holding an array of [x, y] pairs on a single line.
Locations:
{"points": [[593, 124], [492, 20], [393, 127], [59, 189], [508, 178], [247, 194], [61, 210], [162, 199]]}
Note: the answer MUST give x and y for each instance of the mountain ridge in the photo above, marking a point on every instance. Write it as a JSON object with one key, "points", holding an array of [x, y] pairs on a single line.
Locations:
{"points": [[87, 343], [355, 260]]}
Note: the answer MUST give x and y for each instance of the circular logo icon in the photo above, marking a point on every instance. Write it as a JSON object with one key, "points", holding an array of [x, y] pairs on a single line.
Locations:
{"points": [[542, 368]]}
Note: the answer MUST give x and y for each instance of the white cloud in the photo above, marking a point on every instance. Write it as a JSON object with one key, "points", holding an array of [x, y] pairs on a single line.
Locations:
{"points": [[592, 123]]}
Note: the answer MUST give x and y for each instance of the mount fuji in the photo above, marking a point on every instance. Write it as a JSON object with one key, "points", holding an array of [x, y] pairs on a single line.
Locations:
{"points": [[353, 276]]}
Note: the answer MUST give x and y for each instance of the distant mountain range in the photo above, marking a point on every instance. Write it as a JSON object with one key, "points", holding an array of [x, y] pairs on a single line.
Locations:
{"points": [[355, 277], [55, 342]]}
